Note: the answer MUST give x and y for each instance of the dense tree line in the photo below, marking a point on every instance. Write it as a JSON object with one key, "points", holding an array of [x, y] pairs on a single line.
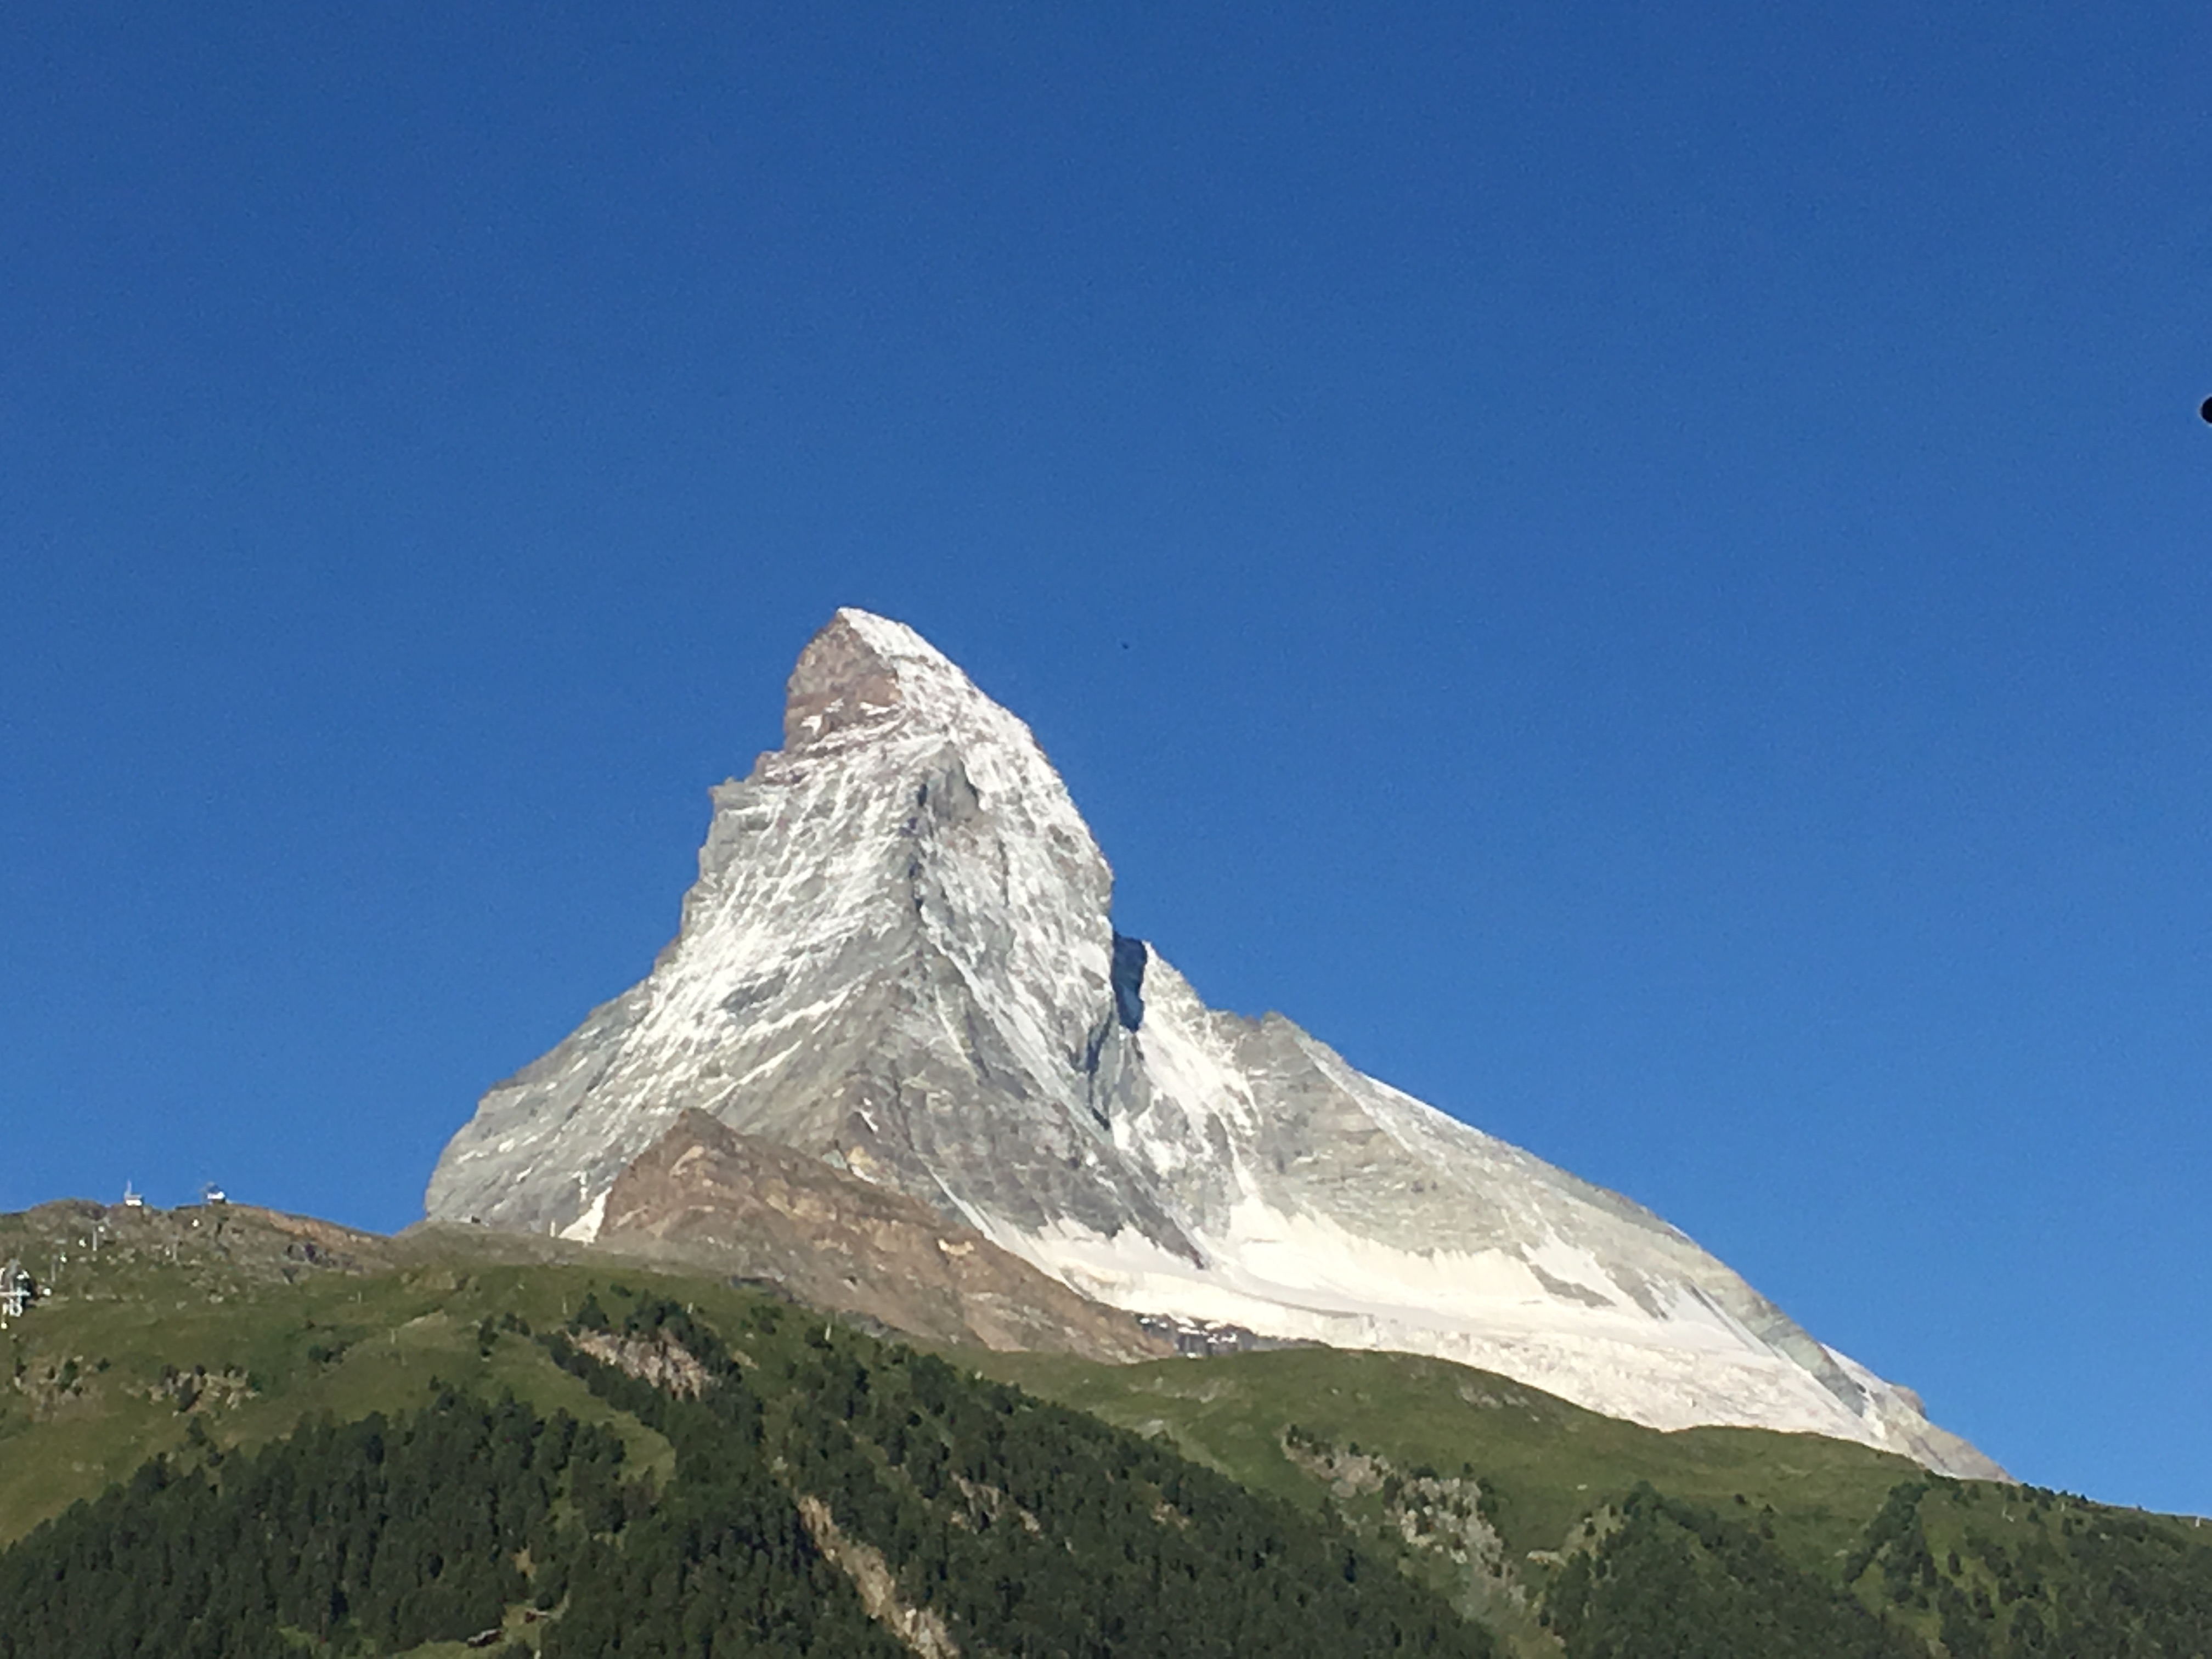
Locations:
{"points": [[2078, 1580], [1040, 1531], [1032, 1531], [378, 1533], [721, 1563], [1671, 1580], [2075, 1582]]}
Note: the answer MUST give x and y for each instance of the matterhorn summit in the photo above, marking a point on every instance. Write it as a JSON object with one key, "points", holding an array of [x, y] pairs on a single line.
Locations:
{"points": [[899, 959]]}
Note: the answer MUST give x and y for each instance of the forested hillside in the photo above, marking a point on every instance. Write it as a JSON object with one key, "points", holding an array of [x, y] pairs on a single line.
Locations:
{"points": [[241, 1434], [1665, 1578], [830, 1495]]}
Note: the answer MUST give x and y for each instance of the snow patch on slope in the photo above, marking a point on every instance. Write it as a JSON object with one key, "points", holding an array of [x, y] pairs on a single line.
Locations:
{"points": [[585, 1227]]}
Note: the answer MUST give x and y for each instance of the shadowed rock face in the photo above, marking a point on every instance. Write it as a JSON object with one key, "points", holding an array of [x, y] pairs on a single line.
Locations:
{"points": [[899, 960], [705, 1195]]}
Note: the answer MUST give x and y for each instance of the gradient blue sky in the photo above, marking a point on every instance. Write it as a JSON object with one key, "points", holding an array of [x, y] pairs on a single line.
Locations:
{"points": [[1642, 571]]}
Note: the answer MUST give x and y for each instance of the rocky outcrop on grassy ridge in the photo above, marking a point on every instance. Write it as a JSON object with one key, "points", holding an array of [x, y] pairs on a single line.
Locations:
{"points": [[1446, 1518]]}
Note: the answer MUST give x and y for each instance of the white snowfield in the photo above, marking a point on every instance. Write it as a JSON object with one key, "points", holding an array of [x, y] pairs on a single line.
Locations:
{"points": [[899, 956]]}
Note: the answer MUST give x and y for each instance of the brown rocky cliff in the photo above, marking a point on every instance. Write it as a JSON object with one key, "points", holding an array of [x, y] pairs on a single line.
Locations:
{"points": [[707, 1195]]}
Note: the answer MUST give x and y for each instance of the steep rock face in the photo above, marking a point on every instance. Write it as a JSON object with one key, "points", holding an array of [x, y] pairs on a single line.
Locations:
{"points": [[704, 1195], [898, 958]]}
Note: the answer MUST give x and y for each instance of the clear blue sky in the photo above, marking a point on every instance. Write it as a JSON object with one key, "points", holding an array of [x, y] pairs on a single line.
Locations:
{"points": [[1641, 570]]}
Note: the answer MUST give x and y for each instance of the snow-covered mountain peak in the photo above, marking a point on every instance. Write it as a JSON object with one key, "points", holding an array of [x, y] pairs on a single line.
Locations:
{"points": [[898, 957]]}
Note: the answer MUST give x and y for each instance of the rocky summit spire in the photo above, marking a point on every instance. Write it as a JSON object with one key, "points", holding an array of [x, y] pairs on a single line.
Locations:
{"points": [[894, 957], [898, 958], [862, 672]]}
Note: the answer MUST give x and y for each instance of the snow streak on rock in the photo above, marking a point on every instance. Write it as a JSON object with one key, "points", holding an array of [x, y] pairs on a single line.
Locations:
{"points": [[899, 957]]}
